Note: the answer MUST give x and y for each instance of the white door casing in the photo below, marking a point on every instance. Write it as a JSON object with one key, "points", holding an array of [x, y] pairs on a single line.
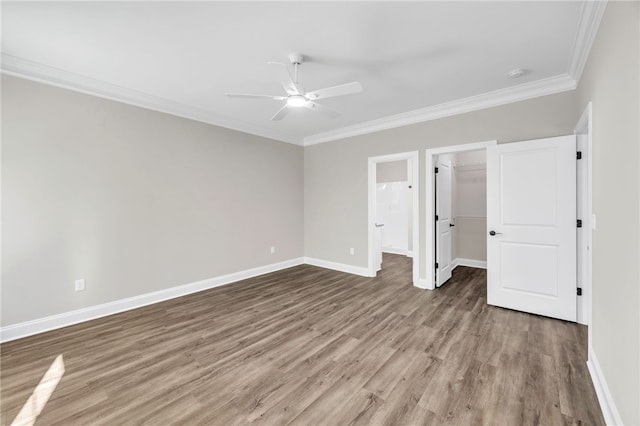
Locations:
{"points": [[378, 245], [443, 222], [531, 207], [584, 173], [431, 156]]}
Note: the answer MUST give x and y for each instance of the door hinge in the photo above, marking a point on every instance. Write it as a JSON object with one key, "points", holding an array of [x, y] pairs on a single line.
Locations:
{"points": [[579, 223], [579, 291], [436, 170], [436, 217], [579, 155], [436, 265]]}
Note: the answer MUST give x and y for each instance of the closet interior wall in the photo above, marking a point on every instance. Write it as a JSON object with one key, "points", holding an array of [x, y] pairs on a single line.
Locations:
{"points": [[469, 207]]}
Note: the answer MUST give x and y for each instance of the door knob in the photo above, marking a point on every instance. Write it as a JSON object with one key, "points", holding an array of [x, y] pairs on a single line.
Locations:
{"points": [[492, 233], [379, 225]]}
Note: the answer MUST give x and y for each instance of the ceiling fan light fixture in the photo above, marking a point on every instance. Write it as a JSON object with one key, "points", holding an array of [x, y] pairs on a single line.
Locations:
{"points": [[297, 101], [296, 96]]}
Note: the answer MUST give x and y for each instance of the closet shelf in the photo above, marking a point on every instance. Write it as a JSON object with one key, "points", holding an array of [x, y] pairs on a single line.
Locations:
{"points": [[471, 166]]}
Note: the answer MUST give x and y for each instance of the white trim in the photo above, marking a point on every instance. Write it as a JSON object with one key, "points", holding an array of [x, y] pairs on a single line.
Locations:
{"points": [[590, 17], [341, 267], [413, 158], [423, 284], [534, 89], [472, 263], [454, 264], [28, 328], [393, 250], [585, 189], [607, 405], [429, 204], [15, 66]]}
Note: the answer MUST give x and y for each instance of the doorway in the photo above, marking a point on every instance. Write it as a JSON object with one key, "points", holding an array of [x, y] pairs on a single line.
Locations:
{"points": [[537, 203], [469, 160], [461, 212], [393, 198]]}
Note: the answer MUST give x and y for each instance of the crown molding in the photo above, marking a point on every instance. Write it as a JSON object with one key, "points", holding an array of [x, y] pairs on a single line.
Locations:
{"points": [[590, 17], [534, 89], [589, 21], [19, 67]]}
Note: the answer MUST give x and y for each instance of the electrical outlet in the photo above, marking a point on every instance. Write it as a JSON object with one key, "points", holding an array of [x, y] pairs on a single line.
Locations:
{"points": [[79, 285], [273, 250], [352, 251]]}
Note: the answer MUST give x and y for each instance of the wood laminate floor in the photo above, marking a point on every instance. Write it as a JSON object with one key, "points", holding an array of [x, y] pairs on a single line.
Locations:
{"points": [[312, 346]]}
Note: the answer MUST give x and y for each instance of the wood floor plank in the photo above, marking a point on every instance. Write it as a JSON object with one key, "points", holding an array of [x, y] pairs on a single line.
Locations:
{"points": [[307, 345], [403, 399], [541, 381], [382, 381]]}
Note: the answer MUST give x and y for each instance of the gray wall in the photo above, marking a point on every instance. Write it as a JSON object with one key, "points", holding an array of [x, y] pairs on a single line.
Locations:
{"points": [[132, 200], [470, 214], [336, 172], [611, 81]]}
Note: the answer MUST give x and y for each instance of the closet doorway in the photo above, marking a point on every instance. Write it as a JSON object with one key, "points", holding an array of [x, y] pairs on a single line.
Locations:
{"points": [[461, 212], [457, 202]]}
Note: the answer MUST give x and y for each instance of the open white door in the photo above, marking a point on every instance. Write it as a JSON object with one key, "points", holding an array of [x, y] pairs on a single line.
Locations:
{"points": [[531, 220], [443, 222]]}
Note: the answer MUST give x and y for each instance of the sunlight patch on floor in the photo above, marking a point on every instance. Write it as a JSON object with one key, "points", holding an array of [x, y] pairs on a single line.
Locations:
{"points": [[41, 394]]}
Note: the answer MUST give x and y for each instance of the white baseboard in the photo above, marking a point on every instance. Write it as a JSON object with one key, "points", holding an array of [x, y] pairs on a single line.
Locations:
{"points": [[424, 284], [342, 267], [28, 328], [608, 407], [471, 263], [393, 250]]}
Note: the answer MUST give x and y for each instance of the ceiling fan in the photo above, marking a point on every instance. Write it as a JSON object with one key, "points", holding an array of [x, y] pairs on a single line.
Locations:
{"points": [[296, 96]]}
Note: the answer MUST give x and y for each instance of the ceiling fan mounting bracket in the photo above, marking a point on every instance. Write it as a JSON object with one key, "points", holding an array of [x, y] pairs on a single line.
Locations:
{"points": [[296, 58]]}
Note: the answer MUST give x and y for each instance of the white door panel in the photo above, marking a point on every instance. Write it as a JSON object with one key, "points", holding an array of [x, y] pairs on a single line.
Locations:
{"points": [[527, 196], [531, 206], [443, 223]]}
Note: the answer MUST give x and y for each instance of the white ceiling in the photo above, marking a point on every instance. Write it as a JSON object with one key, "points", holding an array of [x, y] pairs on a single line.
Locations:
{"points": [[416, 60]]}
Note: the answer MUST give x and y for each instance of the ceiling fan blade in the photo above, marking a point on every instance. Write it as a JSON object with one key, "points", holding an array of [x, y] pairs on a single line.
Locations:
{"points": [[250, 96], [341, 90], [322, 109], [281, 114], [284, 77]]}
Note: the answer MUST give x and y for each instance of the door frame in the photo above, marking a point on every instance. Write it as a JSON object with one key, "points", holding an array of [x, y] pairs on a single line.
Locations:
{"points": [[413, 159], [585, 213], [429, 282]]}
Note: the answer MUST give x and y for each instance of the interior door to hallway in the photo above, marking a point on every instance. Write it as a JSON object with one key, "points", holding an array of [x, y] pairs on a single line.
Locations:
{"points": [[531, 221]]}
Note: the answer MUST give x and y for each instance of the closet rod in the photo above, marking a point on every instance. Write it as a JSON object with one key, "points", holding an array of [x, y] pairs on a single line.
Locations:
{"points": [[479, 163]]}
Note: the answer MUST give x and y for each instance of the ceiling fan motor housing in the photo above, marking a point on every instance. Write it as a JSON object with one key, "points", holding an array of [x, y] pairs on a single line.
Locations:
{"points": [[296, 58]]}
